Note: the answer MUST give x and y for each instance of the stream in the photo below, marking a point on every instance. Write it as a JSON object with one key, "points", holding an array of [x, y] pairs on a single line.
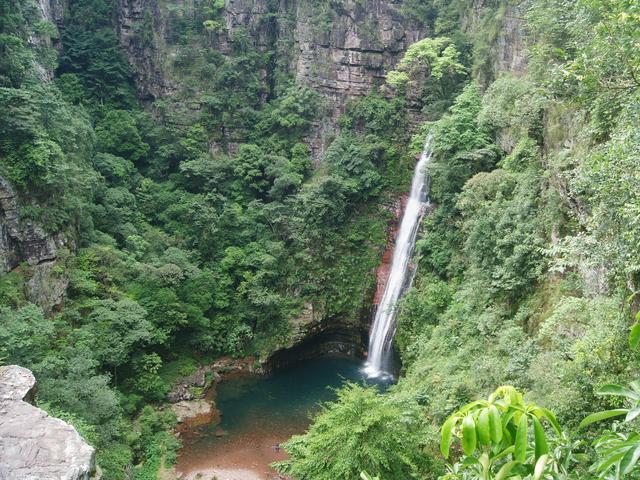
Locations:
{"points": [[257, 414]]}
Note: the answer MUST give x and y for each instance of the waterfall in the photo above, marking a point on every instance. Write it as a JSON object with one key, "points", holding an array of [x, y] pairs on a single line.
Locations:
{"points": [[401, 275]]}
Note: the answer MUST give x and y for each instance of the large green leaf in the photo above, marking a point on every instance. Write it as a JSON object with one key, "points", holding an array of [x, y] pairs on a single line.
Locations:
{"points": [[502, 454], [634, 336], [495, 423], [505, 470], [484, 427], [445, 437], [538, 470], [630, 459], [632, 414], [468, 435], [541, 447], [520, 444], [551, 418], [604, 464], [596, 417], [619, 390]]}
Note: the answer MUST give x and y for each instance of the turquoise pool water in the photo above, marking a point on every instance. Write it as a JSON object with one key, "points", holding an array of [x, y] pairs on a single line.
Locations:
{"points": [[258, 413]]}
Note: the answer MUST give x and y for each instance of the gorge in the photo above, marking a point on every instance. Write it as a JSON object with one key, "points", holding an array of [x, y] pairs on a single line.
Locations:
{"points": [[204, 222], [258, 414]]}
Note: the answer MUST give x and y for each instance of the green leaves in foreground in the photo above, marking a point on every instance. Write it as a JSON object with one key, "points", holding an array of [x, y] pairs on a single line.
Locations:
{"points": [[495, 434], [617, 451]]}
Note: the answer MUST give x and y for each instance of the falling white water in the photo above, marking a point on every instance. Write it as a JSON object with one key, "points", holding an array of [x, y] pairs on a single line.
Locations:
{"points": [[401, 276]]}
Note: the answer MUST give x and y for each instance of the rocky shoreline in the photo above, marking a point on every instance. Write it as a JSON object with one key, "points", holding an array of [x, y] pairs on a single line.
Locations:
{"points": [[192, 397]]}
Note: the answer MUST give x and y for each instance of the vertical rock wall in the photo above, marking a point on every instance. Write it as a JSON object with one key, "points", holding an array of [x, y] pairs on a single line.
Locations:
{"points": [[25, 244], [346, 51], [501, 25], [24, 241], [339, 48]]}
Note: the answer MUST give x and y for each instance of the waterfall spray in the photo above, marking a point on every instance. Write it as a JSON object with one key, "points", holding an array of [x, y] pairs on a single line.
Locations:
{"points": [[401, 276]]}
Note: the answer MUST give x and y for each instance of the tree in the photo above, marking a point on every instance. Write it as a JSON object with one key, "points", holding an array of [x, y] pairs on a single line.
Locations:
{"points": [[92, 52], [26, 334], [114, 329], [250, 164], [361, 430], [436, 58], [117, 133]]}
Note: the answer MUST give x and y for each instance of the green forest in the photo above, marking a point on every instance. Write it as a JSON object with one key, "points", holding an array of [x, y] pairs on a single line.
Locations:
{"points": [[201, 222]]}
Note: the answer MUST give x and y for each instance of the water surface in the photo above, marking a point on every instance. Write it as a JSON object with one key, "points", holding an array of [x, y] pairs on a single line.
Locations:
{"points": [[258, 413]]}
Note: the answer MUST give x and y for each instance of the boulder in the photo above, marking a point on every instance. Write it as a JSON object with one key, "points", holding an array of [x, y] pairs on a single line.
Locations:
{"points": [[189, 387], [34, 445], [191, 409]]}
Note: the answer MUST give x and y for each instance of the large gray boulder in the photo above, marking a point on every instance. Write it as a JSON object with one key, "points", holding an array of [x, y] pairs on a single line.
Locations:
{"points": [[33, 445]]}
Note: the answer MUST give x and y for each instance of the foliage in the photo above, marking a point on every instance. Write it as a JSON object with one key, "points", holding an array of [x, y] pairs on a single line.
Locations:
{"points": [[495, 436], [438, 55], [618, 451], [117, 134], [92, 52], [433, 67], [25, 332], [361, 430]]}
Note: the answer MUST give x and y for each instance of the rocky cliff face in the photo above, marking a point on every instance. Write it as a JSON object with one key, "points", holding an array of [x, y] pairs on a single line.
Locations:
{"points": [[33, 445], [384, 269], [348, 49], [510, 53], [24, 244], [23, 241], [145, 51], [339, 48], [52, 10], [505, 40]]}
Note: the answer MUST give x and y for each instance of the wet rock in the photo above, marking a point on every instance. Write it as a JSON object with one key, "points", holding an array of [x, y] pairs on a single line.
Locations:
{"points": [[33, 445], [384, 269], [197, 384], [189, 387], [229, 366], [190, 409]]}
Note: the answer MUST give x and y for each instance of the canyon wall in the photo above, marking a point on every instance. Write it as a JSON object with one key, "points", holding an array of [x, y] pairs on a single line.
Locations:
{"points": [[27, 246], [340, 49]]}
